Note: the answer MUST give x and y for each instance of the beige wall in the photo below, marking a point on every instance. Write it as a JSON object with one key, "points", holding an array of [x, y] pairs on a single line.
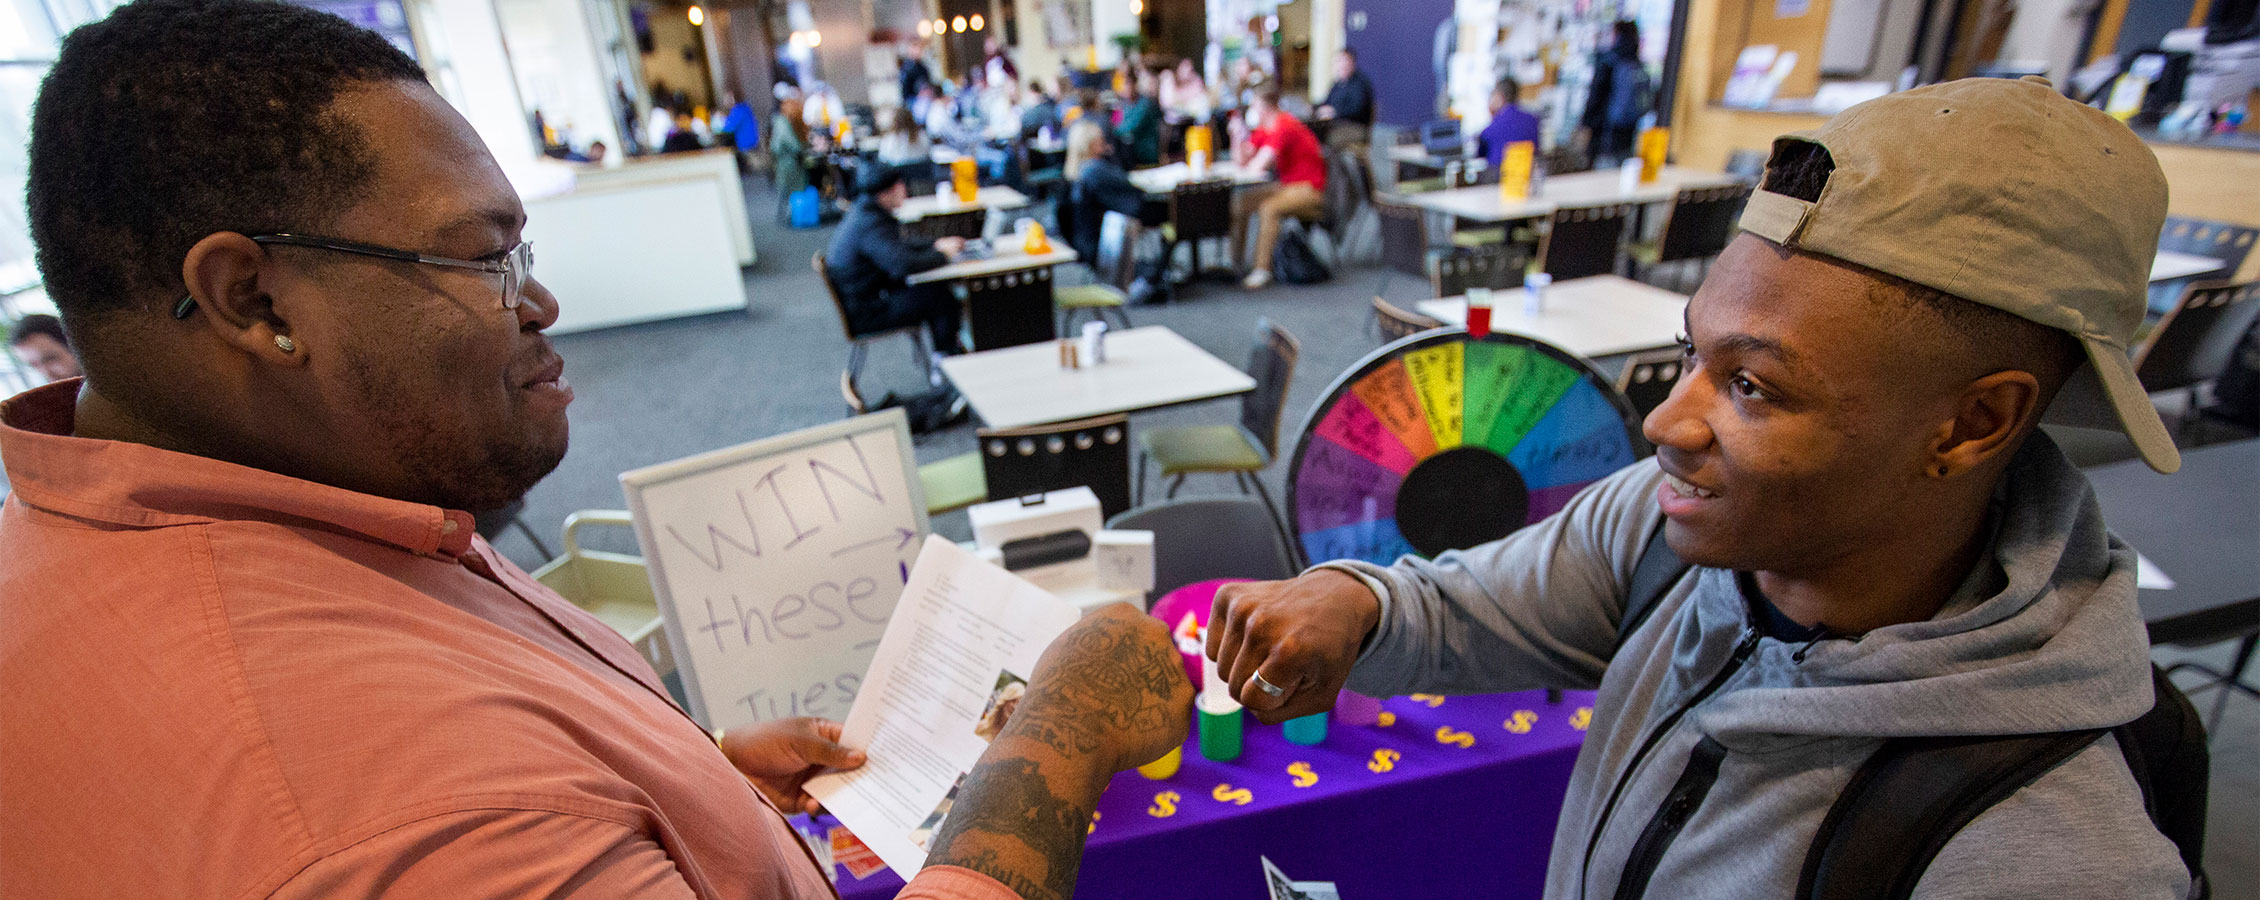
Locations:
{"points": [[671, 31]]}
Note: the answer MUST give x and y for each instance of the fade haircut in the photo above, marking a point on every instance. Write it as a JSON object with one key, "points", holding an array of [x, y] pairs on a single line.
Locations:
{"points": [[175, 119], [1972, 339]]}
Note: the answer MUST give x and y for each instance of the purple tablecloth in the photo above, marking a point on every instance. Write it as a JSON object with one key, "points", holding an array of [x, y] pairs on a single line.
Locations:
{"points": [[1443, 820]]}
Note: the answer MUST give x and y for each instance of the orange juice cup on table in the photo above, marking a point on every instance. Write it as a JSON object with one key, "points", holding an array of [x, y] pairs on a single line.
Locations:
{"points": [[962, 178], [1514, 170], [1654, 143]]}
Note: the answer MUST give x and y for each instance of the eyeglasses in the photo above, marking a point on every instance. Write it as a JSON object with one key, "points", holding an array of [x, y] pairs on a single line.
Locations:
{"points": [[513, 267]]}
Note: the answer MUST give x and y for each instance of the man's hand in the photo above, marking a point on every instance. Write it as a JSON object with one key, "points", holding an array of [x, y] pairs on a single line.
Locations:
{"points": [[1302, 635], [1109, 694], [950, 244], [780, 756]]}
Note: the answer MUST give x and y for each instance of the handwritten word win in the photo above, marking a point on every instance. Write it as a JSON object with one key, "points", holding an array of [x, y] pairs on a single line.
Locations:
{"points": [[771, 498]]}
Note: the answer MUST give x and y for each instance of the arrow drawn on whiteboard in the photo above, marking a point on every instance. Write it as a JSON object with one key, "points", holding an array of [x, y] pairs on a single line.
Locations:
{"points": [[902, 538]]}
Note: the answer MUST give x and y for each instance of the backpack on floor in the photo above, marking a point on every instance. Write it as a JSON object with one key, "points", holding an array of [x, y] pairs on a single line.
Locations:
{"points": [[802, 209], [1915, 794], [1294, 261]]}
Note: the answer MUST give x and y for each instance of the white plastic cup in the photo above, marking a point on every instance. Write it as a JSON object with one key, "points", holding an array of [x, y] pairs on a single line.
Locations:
{"points": [[1534, 292], [1628, 176]]}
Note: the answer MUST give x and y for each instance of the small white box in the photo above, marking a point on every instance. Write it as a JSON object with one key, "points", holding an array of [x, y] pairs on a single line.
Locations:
{"points": [[1126, 560]]}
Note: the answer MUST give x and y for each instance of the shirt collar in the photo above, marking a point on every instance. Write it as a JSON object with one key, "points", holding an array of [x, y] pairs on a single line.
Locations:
{"points": [[140, 486]]}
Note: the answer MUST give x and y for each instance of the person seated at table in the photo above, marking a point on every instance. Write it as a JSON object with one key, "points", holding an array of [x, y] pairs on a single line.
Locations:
{"points": [[1039, 113], [1871, 537], [1268, 140], [1184, 96], [1347, 110], [39, 341], [901, 142], [1098, 186], [1139, 132], [683, 139], [252, 644], [869, 258], [1509, 123]]}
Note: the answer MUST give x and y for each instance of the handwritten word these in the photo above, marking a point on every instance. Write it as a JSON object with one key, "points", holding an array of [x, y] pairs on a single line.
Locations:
{"points": [[734, 622]]}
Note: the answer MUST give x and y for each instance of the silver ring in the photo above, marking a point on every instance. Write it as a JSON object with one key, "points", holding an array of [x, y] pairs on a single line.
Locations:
{"points": [[1266, 686]]}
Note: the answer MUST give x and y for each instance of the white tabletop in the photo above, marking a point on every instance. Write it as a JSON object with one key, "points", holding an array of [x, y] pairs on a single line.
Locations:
{"points": [[2171, 265], [920, 206], [1163, 179], [1418, 155], [1482, 202], [1008, 258], [1145, 368], [1596, 316]]}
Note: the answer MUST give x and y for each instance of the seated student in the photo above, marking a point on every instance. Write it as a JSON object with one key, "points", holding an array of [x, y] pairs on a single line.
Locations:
{"points": [[869, 258], [1100, 185], [1509, 123], [901, 143], [1883, 544], [252, 645], [1139, 132], [1040, 113], [1270, 140], [1347, 111], [39, 341]]}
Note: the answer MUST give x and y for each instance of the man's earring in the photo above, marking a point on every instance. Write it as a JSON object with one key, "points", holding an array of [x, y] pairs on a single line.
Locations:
{"points": [[286, 345]]}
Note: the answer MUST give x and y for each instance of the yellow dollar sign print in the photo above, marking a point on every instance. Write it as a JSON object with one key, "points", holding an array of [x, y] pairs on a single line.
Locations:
{"points": [[1226, 793], [1303, 776], [1094, 823], [1165, 804], [1387, 719], [1521, 721], [1383, 760], [1432, 700], [1581, 719], [1460, 739]]}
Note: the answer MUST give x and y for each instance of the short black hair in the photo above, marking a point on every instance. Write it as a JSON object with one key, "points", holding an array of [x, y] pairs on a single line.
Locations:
{"points": [[175, 119], [38, 323], [876, 179], [1509, 88]]}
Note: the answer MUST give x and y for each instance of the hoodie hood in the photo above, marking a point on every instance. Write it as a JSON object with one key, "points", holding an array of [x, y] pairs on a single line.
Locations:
{"points": [[2043, 635]]}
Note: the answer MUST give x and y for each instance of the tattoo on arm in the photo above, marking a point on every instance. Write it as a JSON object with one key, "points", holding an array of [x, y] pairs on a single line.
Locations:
{"points": [[1108, 686], [1011, 826]]}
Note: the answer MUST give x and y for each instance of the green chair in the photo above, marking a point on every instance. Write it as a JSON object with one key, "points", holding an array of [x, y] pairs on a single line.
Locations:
{"points": [[1243, 449], [1116, 265]]}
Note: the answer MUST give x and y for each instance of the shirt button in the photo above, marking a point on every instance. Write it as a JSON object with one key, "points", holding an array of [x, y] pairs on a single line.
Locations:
{"points": [[447, 526]]}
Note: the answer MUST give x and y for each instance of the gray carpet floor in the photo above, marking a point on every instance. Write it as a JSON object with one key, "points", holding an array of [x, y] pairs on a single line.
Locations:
{"points": [[652, 393]]}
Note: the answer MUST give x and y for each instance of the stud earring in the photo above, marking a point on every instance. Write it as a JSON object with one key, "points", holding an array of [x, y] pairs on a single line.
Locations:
{"points": [[285, 344]]}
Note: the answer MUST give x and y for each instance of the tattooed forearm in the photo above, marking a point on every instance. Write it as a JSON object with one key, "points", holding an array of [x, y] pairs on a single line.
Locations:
{"points": [[1110, 684], [1011, 825]]}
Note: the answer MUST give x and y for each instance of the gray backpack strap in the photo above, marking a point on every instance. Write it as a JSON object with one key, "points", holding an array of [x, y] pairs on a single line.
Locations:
{"points": [[1652, 577]]}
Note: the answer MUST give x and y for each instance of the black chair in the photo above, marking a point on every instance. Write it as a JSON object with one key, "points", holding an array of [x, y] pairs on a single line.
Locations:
{"points": [[1093, 453], [1245, 449], [1398, 323], [858, 343], [1198, 539], [1699, 226], [1648, 378], [1497, 266], [1404, 238], [965, 224], [1584, 241], [1009, 309], [1198, 210], [2192, 344], [1116, 264], [2230, 244]]}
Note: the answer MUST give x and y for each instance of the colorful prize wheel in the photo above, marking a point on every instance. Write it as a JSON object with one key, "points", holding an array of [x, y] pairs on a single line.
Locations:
{"points": [[1441, 441]]}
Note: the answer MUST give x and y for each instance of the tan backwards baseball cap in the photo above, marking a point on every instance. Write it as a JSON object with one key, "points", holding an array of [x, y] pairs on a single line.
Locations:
{"points": [[2004, 193]]}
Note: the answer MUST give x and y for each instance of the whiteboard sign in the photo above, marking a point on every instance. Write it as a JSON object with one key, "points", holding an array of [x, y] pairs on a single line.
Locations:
{"points": [[777, 564]]}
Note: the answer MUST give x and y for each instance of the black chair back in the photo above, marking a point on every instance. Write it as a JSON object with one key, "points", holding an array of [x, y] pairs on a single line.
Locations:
{"points": [[1010, 309], [1648, 378], [1201, 539], [1404, 237], [2228, 243], [1201, 209], [1702, 222], [1496, 266], [965, 224], [1093, 453], [1116, 261], [1397, 322], [2193, 342], [1271, 362], [1585, 241]]}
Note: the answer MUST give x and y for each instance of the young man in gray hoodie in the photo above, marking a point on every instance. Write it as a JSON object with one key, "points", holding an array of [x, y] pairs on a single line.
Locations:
{"points": [[1882, 545]]}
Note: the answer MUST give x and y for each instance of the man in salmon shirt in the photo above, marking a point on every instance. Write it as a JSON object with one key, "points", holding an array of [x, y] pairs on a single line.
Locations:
{"points": [[252, 647], [1277, 143]]}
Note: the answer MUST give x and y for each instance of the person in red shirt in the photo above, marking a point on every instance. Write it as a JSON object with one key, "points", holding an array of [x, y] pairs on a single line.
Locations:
{"points": [[1270, 140], [251, 643]]}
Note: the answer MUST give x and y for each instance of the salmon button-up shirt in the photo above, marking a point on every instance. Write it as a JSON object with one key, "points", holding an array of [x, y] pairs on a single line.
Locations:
{"points": [[217, 681]]}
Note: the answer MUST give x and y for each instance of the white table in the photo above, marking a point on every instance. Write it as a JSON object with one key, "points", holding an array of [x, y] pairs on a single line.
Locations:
{"points": [[1008, 258], [1482, 202], [2170, 265], [1163, 179], [1145, 368], [1596, 316], [994, 197]]}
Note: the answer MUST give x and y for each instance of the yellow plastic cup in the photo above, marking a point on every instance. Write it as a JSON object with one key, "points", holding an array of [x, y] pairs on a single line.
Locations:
{"points": [[1164, 767], [962, 178], [1654, 143], [1514, 171]]}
